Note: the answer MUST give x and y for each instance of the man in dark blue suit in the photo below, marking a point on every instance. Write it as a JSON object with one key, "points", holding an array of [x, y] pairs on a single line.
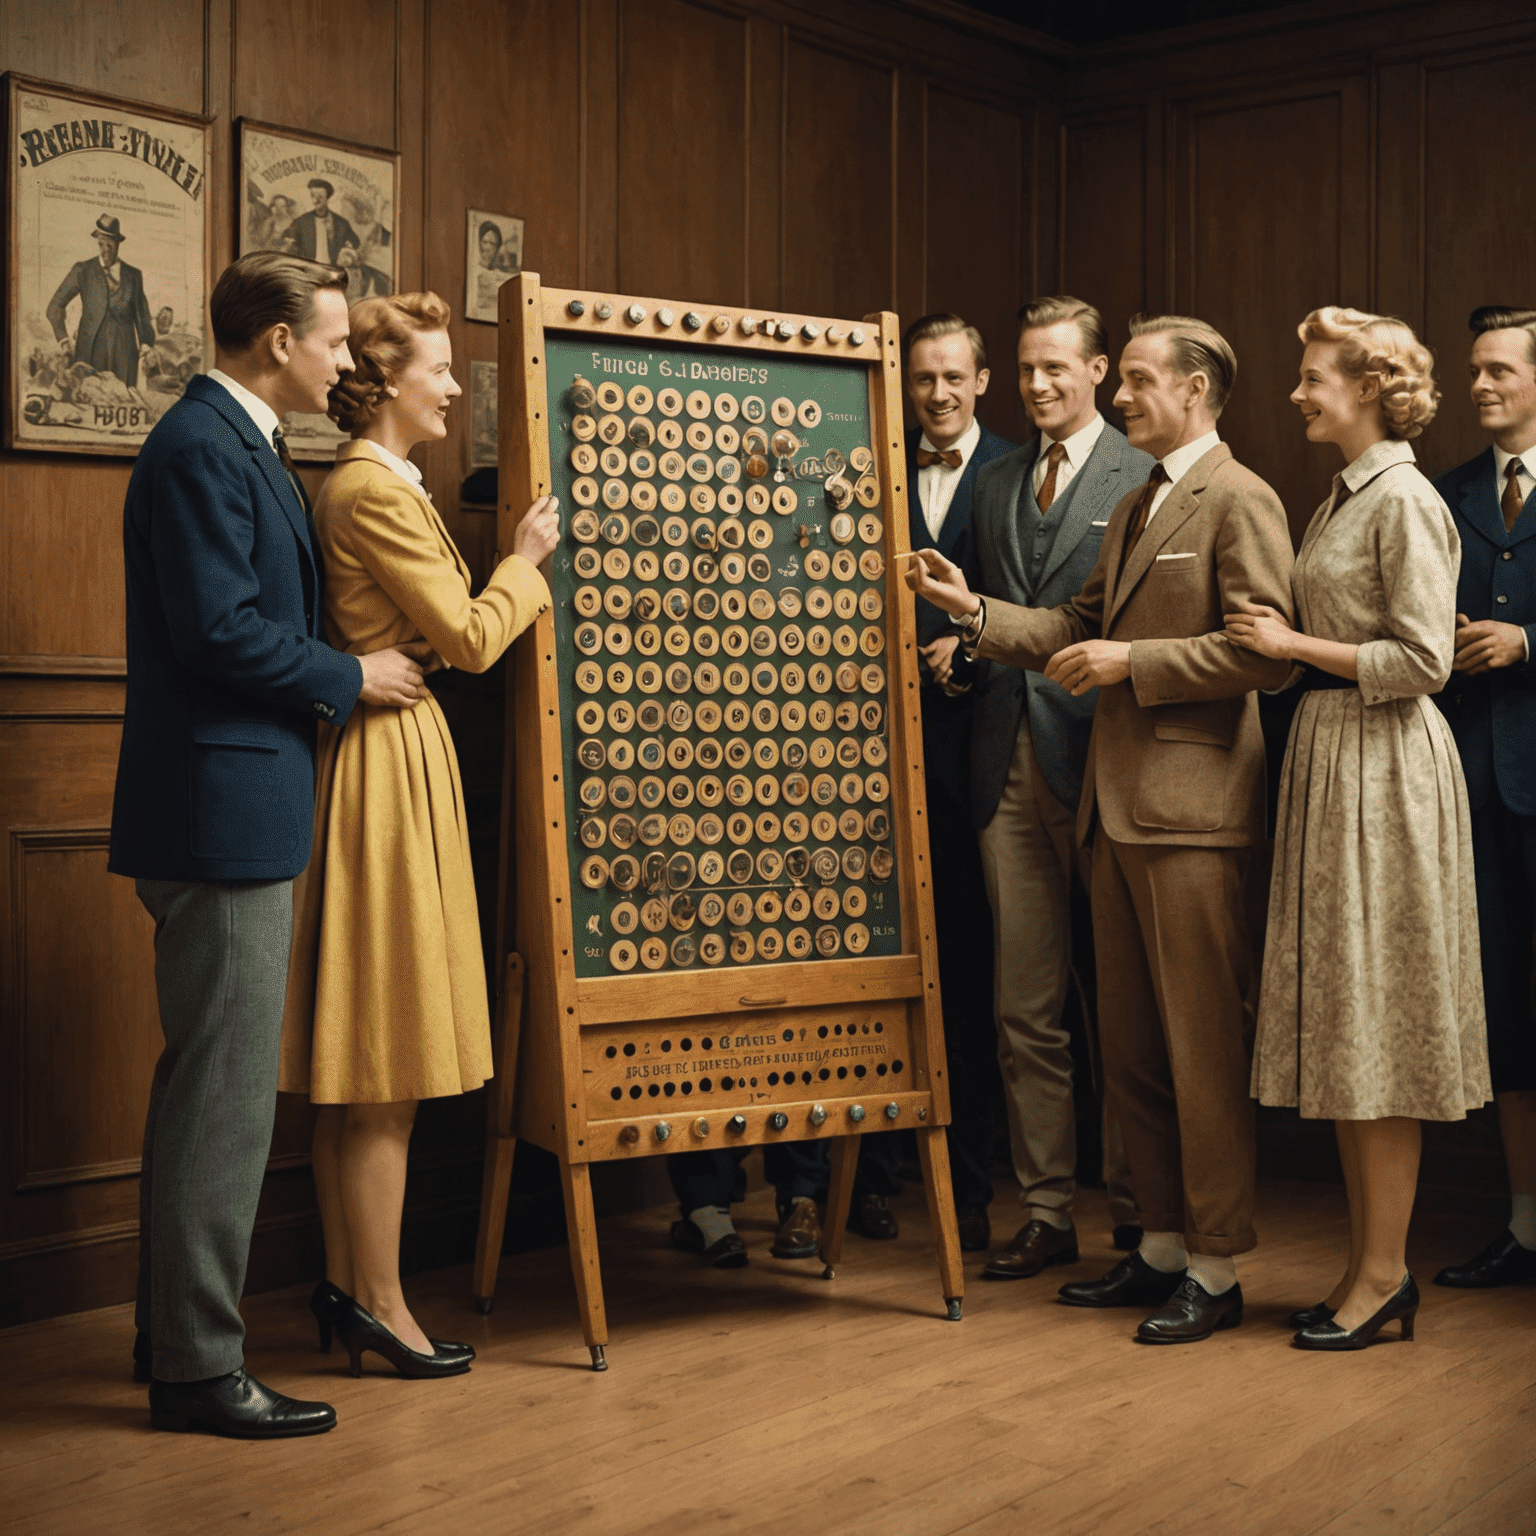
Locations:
{"points": [[947, 453], [1040, 517], [228, 671], [1490, 702]]}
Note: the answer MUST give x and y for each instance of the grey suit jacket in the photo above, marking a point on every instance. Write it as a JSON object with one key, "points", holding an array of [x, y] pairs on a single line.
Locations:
{"points": [[1059, 725]]}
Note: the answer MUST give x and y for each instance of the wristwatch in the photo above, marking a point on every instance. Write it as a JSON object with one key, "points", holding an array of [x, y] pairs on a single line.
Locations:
{"points": [[972, 624]]}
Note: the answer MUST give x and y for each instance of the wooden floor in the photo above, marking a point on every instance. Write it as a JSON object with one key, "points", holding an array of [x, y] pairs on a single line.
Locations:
{"points": [[769, 1399]]}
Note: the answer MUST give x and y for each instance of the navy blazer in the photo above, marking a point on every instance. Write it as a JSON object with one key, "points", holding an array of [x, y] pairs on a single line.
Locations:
{"points": [[946, 717], [1493, 715], [1059, 725], [227, 666]]}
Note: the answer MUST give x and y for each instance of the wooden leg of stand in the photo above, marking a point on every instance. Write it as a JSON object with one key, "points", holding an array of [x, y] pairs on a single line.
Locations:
{"points": [[845, 1164], [933, 1150], [582, 1225], [500, 1144]]}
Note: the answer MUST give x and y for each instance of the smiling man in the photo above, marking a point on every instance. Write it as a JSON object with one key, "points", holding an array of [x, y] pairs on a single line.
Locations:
{"points": [[1041, 512], [947, 452], [1490, 703], [1173, 799]]}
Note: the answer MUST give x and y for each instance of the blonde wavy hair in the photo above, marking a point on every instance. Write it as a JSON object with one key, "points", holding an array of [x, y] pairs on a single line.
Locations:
{"points": [[382, 341], [1384, 350]]}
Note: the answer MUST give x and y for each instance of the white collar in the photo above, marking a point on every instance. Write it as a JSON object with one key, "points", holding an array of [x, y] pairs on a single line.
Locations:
{"points": [[966, 444], [1501, 460], [1379, 456], [1179, 463], [1079, 445], [261, 414], [402, 467]]}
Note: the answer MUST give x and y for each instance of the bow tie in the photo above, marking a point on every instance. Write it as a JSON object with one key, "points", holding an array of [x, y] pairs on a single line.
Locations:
{"points": [[949, 456]]}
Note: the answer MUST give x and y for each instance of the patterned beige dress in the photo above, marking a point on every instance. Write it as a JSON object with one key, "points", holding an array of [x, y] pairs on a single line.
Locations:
{"points": [[1372, 998]]}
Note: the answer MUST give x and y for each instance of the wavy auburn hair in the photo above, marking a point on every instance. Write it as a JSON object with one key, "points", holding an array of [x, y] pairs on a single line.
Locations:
{"points": [[1385, 350], [382, 342]]}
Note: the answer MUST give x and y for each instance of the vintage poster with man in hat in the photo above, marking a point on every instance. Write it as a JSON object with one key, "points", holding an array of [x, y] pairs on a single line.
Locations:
{"points": [[108, 268]]}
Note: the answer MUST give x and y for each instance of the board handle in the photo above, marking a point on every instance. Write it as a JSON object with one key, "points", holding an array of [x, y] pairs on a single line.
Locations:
{"points": [[762, 1002]]}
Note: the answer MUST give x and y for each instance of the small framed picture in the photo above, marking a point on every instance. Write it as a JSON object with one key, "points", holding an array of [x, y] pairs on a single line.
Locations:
{"points": [[330, 201], [482, 415], [495, 253], [108, 252]]}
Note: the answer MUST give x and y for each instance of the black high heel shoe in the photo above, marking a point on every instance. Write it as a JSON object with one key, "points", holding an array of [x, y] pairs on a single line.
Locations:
{"points": [[1403, 1304], [1310, 1317], [328, 1302], [361, 1331]]}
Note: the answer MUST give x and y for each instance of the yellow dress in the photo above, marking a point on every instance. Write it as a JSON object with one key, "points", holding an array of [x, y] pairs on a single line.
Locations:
{"points": [[386, 985]]}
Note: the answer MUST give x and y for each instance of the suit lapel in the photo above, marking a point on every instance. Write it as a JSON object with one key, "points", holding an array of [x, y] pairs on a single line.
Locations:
{"points": [[1094, 488], [958, 518], [1478, 503], [918, 536]]}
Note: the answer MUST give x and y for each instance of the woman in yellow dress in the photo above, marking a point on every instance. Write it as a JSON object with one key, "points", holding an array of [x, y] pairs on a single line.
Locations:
{"points": [[386, 992]]}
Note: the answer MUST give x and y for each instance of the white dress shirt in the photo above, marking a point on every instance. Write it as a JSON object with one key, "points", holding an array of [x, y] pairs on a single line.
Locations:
{"points": [[325, 228], [261, 414], [1524, 477], [1177, 465], [1078, 447], [937, 483], [114, 273]]}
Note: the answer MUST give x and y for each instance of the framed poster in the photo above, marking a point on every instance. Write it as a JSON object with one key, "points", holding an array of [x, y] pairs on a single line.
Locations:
{"points": [[329, 201], [494, 254], [108, 245]]}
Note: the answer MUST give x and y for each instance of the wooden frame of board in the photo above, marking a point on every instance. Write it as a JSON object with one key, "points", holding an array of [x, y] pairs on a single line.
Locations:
{"points": [[600, 1063]]}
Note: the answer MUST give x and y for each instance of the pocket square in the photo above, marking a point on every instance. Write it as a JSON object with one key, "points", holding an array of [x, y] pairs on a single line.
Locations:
{"points": [[1104, 524], [1183, 554]]}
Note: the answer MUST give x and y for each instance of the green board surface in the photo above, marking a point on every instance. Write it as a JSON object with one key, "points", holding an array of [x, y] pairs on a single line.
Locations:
{"points": [[814, 737]]}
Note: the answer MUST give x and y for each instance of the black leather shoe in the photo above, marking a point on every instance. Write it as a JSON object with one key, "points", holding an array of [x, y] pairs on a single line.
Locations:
{"points": [[1503, 1262], [975, 1230], [1131, 1283], [1310, 1317], [361, 1331], [1035, 1245], [1126, 1238], [143, 1356], [728, 1253], [236, 1405], [1192, 1314], [872, 1217], [1402, 1304]]}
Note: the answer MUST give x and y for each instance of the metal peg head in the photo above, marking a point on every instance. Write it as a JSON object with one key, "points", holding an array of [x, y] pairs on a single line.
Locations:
{"points": [[629, 1135], [892, 1111], [665, 317], [778, 1120], [748, 326], [693, 321], [855, 1112], [701, 1127], [603, 311], [856, 337], [576, 307], [809, 331], [720, 324], [769, 327], [736, 1124], [663, 1130], [818, 1114], [922, 1114], [635, 314], [834, 334]]}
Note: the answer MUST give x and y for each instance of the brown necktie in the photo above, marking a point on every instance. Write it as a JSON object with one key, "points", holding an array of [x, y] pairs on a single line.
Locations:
{"points": [[1511, 501], [949, 456], [1047, 492], [280, 443], [1158, 477]]}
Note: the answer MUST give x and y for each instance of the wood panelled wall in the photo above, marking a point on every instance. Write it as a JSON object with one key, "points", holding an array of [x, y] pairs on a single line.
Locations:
{"points": [[836, 157]]}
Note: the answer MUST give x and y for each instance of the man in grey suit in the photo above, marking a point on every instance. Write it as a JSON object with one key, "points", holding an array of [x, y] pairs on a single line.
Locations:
{"points": [[114, 325], [1040, 517]]}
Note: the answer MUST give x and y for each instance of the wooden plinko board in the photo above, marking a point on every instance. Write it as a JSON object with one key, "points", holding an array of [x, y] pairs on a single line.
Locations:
{"points": [[720, 855]]}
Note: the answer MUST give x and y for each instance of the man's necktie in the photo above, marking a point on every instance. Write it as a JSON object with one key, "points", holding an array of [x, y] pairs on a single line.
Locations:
{"points": [[1047, 492], [949, 456], [1158, 477], [280, 443], [1511, 501]]}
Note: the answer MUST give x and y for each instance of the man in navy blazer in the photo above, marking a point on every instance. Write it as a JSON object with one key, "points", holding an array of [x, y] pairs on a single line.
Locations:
{"points": [[228, 671], [1040, 517], [1490, 702], [945, 361]]}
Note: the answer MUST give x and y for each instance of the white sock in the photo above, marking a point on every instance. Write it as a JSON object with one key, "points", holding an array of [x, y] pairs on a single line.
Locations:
{"points": [[1052, 1216], [1214, 1274], [1522, 1219], [714, 1221], [1164, 1251]]}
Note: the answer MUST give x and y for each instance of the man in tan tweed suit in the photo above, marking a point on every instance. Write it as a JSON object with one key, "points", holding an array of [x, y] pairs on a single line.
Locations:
{"points": [[1173, 799]]}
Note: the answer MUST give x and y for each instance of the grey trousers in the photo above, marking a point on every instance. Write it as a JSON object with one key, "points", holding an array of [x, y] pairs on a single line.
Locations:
{"points": [[221, 969]]}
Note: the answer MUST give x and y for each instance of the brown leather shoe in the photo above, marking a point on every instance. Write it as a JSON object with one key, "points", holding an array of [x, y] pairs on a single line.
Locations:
{"points": [[975, 1230], [800, 1235], [872, 1217], [1034, 1246]]}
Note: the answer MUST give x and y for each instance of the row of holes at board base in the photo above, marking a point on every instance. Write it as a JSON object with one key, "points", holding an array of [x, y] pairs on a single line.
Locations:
{"points": [[777, 1121], [727, 1083]]}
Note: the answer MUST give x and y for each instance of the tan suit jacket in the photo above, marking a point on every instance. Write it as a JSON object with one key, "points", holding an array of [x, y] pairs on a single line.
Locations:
{"points": [[1175, 755]]}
